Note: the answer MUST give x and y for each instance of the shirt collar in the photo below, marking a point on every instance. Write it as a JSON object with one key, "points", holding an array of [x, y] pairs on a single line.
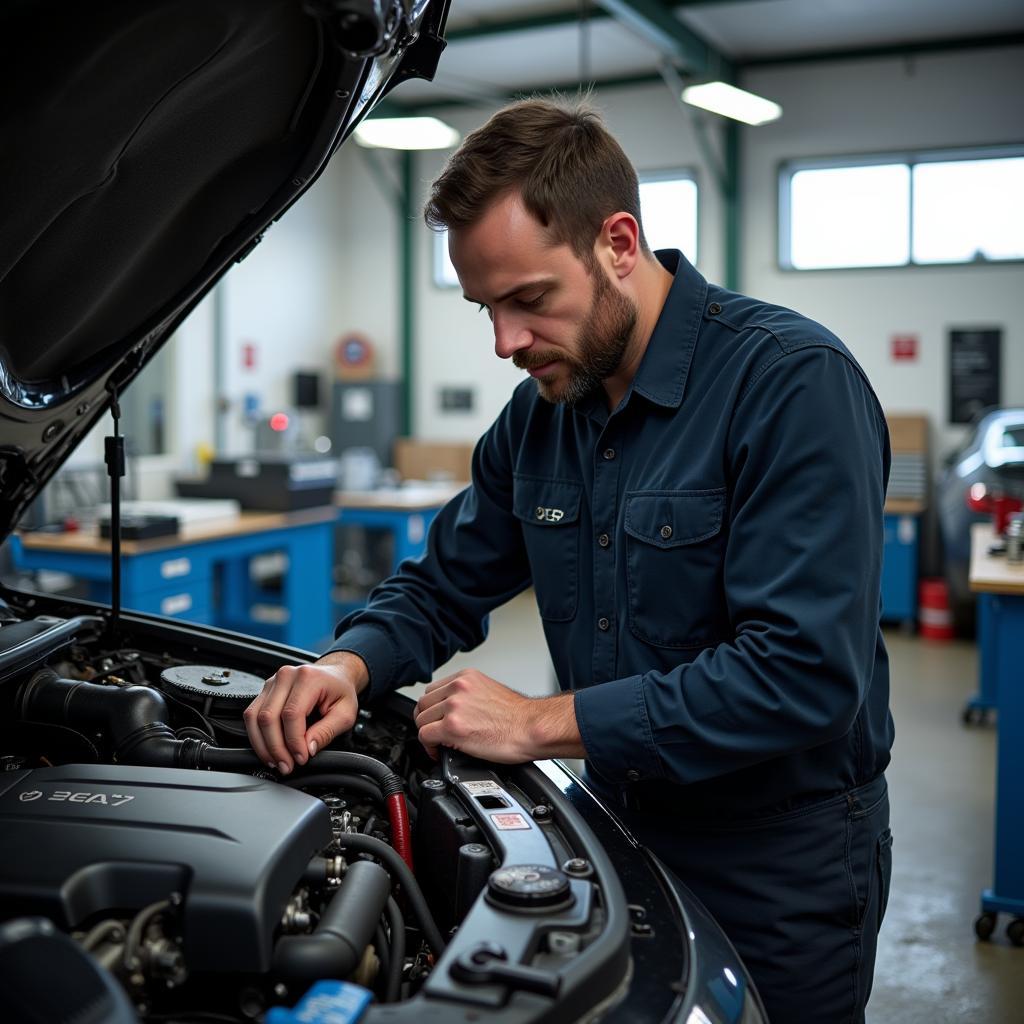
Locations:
{"points": [[661, 376]]}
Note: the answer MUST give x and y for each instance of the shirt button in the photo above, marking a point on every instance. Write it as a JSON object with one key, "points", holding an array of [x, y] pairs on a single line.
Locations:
{"points": [[632, 775], [714, 309], [604, 540], [603, 624], [609, 453], [666, 532], [539, 513]]}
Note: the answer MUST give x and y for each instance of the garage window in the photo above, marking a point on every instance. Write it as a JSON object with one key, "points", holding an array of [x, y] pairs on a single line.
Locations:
{"points": [[940, 207], [668, 206]]}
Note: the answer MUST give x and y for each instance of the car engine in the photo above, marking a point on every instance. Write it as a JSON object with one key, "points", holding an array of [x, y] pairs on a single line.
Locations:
{"points": [[147, 855]]}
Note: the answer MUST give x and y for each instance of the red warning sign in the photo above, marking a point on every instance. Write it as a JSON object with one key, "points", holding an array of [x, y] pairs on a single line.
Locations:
{"points": [[904, 348]]}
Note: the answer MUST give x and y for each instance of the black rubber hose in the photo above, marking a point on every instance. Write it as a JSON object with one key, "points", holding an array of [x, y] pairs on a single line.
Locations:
{"points": [[397, 925], [383, 950], [398, 867], [356, 783], [346, 927], [135, 718], [333, 761]]}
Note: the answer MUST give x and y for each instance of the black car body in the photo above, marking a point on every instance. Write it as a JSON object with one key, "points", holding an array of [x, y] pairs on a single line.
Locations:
{"points": [[150, 867]]}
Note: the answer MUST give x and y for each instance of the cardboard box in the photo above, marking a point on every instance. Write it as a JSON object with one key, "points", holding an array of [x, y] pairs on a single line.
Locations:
{"points": [[433, 460], [908, 433]]}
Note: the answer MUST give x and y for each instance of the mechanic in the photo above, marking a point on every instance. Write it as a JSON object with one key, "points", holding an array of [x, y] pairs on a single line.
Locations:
{"points": [[693, 484]]}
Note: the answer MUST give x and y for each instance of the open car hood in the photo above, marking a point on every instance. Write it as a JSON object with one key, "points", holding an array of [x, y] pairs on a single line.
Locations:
{"points": [[146, 147]]}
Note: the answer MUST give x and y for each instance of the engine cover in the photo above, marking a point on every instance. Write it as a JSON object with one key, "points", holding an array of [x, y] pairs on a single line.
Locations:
{"points": [[78, 840]]}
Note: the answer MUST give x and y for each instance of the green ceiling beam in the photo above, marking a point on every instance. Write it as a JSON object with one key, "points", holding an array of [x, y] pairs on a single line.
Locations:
{"points": [[895, 50], [660, 27], [498, 27], [651, 19]]}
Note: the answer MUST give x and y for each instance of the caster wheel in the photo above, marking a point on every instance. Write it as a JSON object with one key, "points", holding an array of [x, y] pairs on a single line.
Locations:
{"points": [[985, 925], [967, 716], [1015, 931]]}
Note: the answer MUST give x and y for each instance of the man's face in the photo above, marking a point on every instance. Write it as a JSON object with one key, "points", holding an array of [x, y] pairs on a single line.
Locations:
{"points": [[554, 316]]}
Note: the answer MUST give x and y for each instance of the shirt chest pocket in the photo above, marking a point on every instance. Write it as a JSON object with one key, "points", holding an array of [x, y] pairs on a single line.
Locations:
{"points": [[674, 554], [549, 511]]}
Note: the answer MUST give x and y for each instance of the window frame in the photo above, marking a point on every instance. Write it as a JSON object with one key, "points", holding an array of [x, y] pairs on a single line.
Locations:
{"points": [[679, 174], [439, 241], [789, 167]]}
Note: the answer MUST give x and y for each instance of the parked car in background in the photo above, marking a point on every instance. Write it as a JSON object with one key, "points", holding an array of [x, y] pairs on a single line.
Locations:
{"points": [[988, 468], [151, 867]]}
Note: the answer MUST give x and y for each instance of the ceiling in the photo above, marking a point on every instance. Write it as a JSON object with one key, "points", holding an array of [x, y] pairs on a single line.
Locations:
{"points": [[499, 47]]}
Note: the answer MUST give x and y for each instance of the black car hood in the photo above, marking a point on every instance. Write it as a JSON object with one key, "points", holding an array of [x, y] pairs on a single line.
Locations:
{"points": [[145, 149]]}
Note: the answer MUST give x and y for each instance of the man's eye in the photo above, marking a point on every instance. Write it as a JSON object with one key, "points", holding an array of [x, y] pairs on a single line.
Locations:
{"points": [[481, 307], [532, 303]]}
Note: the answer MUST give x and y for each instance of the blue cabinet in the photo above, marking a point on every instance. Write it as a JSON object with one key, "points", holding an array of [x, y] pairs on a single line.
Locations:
{"points": [[899, 568]]}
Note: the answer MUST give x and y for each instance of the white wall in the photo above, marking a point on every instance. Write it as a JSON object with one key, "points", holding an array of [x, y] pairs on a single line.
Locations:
{"points": [[454, 344], [852, 107], [329, 267]]}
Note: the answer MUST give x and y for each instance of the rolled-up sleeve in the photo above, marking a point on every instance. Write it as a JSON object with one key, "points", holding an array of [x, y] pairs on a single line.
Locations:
{"points": [[807, 465]]}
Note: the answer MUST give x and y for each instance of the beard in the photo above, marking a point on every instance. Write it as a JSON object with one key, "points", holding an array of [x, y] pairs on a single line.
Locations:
{"points": [[601, 343]]}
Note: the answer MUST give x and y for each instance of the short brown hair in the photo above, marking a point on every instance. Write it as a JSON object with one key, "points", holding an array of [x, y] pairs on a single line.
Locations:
{"points": [[569, 170]]}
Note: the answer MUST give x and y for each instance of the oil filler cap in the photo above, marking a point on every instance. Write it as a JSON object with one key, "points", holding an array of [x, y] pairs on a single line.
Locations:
{"points": [[529, 887]]}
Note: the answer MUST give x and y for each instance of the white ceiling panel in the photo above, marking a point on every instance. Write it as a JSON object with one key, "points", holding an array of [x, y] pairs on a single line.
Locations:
{"points": [[766, 28], [495, 65]]}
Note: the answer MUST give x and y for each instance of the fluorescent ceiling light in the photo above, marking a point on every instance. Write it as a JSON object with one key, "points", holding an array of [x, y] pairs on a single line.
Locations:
{"points": [[727, 100], [406, 133]]}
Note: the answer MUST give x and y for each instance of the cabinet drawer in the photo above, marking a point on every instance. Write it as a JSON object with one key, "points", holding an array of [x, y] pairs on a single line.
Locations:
{"points": [[177, 601], [173, 569]]}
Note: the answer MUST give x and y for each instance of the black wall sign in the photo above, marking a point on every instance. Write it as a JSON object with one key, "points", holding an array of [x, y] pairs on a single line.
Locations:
{"points": [[974, 372]]}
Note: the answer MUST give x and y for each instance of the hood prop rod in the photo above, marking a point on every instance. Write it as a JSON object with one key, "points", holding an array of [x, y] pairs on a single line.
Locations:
{"points": [[113, 449]]}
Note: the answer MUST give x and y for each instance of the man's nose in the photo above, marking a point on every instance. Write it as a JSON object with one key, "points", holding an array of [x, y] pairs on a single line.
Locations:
{"points": [[510, 336]]}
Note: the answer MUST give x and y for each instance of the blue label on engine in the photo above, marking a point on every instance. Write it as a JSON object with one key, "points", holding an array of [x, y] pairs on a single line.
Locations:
{"points": [[327, 1002]]}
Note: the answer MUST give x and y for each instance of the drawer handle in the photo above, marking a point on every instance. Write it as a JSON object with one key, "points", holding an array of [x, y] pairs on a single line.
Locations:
{"points": [[175, 567], [176, 604]]}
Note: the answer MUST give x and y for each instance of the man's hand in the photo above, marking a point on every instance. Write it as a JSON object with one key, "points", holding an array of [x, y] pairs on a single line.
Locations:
{"points": [[276, 719], [479, 716]]}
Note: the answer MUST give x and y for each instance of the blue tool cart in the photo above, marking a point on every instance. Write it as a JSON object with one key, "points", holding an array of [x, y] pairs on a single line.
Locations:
{"points": [[1000, 590], [205, 575]]}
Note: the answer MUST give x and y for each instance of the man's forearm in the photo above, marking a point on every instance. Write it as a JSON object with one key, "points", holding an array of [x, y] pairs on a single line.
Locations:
{"points": [[552, 729]]}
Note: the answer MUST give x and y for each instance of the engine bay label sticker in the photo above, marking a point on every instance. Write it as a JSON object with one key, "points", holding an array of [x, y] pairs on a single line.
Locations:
{"points": [[484, 787], [509, 821]]}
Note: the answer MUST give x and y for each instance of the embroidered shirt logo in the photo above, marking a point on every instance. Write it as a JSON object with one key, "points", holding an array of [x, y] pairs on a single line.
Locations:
{"points": [[549, 515]]}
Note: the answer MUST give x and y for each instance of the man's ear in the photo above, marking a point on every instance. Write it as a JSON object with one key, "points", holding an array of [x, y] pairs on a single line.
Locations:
{"points": [[618, 242]]}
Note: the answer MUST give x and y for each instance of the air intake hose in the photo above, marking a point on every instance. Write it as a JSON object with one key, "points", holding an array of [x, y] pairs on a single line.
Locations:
{"points": [[134, 719], [345, 929]]}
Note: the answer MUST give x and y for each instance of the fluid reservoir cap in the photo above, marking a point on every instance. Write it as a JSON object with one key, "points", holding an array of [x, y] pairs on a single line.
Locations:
{"points": [[528, 887], [192, 682]]}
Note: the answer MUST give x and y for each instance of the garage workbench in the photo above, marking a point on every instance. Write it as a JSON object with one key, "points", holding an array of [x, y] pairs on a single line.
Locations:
{"points": [[1000, 590], [203, 575], [406, 512]]}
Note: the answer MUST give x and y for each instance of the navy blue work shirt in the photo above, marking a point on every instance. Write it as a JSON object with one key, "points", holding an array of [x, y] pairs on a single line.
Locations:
{"points": [[706, 561]]}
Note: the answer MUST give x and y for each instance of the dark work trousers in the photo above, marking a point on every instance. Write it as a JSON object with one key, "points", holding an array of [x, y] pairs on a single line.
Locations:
{"points": [[801, 895]]}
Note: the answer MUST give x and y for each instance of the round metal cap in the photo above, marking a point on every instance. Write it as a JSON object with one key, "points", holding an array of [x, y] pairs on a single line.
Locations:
{"points": [[223, 684], [528, 887]]}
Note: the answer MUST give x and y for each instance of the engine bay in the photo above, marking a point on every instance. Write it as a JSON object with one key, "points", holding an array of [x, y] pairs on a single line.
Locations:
{"points": [[140, 833]]}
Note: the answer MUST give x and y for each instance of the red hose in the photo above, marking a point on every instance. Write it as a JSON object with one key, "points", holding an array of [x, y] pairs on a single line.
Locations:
{"points": [[401, 839]]}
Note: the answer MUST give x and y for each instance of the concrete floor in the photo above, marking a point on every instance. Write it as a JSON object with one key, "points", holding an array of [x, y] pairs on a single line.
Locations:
{"points": [[930, 968]]}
